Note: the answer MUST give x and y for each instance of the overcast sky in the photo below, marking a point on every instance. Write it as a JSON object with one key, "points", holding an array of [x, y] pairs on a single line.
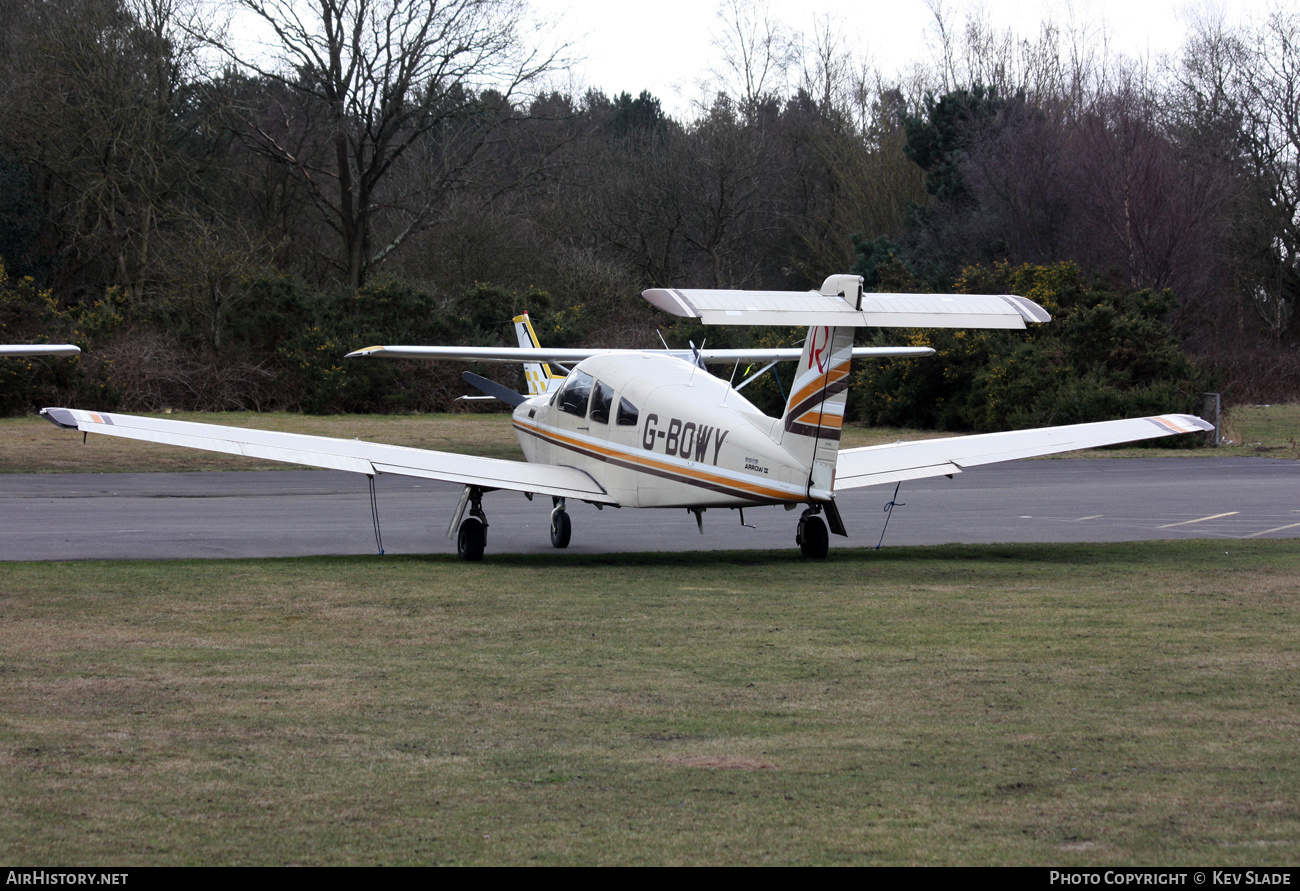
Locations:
{"points": [[664, 45]]}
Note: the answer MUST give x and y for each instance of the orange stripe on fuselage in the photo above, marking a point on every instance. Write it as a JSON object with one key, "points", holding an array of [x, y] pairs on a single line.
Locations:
{"points": [[689, 476]]}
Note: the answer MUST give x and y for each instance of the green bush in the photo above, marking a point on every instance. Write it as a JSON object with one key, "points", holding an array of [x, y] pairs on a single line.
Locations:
{"points": [[1105, 354], [316, 331], [32, 315]]}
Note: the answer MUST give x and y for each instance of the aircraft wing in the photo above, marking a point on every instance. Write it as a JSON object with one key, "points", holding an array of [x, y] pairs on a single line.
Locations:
{"points": [[340, 454], [541, 354], [714, 307], [893, 463], [479, 354], [38, 349]]}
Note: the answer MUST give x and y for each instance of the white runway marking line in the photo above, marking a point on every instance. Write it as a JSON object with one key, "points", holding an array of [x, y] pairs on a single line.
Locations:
{"points": [[1276, 529], [1231, 513], [1093, 517]]}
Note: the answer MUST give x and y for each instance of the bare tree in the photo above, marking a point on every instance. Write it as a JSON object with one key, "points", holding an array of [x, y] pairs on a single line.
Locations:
{"points": [[756, 49], [209, 265], [99, 107], [385, 78], [1271, 128], [638, 204], [1062, 67], [1139, 205], [1237, 104]]}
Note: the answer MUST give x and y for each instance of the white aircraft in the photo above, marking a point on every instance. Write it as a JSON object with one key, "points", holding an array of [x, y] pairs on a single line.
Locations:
{"points": [[38, 349], [653, 429]]}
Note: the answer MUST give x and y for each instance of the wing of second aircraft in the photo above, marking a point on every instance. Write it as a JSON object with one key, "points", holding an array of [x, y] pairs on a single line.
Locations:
{"points": [[38, 349], [543, 354], [340, 454]]}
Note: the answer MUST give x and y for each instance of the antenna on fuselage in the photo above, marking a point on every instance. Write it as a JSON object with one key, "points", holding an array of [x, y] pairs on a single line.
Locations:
{"points": [[723, 403], [698, 363]]}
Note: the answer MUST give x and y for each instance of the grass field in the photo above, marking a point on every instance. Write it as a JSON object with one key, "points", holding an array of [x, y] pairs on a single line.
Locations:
{"points": [[1072, 705], [32, 445]]}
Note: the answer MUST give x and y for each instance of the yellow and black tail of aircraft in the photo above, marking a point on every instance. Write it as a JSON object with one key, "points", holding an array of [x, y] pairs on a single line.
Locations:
{"points": [[541, 379]]}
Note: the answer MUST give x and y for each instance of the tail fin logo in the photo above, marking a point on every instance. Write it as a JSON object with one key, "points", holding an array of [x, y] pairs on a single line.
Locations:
{"points": [[818, 353]]}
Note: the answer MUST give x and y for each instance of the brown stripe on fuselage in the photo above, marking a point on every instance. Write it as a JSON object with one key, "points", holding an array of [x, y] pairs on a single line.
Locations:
{"points": [[828, 433], [654, 467]]}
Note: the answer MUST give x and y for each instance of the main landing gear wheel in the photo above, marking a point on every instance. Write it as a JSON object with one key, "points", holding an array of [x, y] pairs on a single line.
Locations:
{"points": [[561, 528], [471, 539], [813, 539]]}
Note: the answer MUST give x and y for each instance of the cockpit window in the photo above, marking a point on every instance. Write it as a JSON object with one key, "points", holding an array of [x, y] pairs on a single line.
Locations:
{"points": [[577, 389], [627, 414], [601, 400]]}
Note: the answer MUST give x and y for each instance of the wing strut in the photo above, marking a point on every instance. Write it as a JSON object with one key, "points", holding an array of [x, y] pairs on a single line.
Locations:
{"points": [[459, 512], [374, 514]]}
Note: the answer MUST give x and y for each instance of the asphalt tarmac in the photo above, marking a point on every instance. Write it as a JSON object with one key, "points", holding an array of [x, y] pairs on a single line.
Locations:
{"points": [[304, 512]]}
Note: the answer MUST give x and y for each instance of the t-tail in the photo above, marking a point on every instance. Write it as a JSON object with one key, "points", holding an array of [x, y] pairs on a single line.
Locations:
{"points": [[541, 379], [814, 414]]}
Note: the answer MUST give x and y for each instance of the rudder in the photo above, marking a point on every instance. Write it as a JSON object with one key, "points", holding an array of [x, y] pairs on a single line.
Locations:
{"points": [[814, 414]]}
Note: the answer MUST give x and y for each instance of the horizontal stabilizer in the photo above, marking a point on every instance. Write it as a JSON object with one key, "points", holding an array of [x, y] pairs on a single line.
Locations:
{"points": [[941, 457], [340, 454], [800, 308], [493, 389]]}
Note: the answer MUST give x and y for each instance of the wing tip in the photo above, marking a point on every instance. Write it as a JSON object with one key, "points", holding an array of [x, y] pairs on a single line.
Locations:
{"points": [[60, 417], [1184, 423], [670, 301], [1028, 309]]}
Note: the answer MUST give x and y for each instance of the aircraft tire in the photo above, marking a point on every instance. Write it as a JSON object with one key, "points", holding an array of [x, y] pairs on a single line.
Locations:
{"points": [[561, 528], [814, 540], [471, 539]]}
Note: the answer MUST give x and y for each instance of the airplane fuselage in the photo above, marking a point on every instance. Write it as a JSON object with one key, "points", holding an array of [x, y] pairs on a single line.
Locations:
{"points": [[655, 431]]}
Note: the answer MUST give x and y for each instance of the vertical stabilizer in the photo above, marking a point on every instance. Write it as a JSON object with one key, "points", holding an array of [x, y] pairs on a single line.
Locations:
{"points": [[539, 376], [814, 414]]}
